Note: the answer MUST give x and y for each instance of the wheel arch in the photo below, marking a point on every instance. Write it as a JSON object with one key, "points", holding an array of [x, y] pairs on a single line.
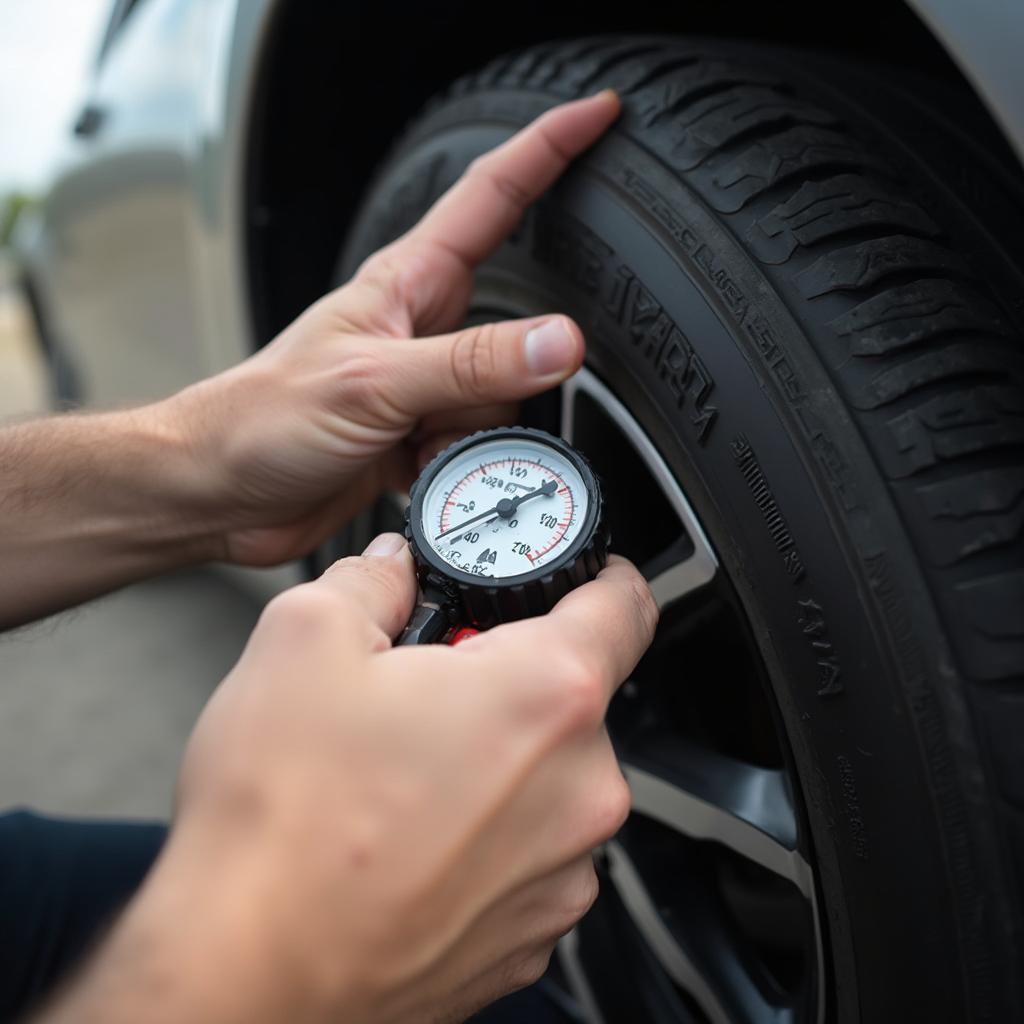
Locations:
{"points": [[335, 83]]}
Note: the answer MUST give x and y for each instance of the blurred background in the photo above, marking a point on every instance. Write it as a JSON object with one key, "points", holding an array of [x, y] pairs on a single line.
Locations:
{"points": [[95, 704]]}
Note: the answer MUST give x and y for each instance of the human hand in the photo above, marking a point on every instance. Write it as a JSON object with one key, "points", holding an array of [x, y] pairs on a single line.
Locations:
{"points": [[346, 401], [381, 834]]}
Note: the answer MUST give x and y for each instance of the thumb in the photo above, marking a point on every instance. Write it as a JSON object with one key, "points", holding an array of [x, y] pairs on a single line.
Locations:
{"points": [[380, 586], [492, 362]]}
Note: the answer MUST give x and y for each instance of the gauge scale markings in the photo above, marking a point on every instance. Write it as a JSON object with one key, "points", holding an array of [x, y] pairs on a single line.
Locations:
{"points": [[495, 517]]}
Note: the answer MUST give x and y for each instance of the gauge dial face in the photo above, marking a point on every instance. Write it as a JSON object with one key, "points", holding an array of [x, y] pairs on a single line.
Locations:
{"points": [[504, 508]]}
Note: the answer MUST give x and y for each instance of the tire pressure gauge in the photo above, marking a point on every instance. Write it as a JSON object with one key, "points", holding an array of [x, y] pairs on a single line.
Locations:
{"points": [[502, 524]]}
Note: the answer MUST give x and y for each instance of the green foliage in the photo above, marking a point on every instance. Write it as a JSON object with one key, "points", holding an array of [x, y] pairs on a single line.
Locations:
{"points": [[12, 207]]}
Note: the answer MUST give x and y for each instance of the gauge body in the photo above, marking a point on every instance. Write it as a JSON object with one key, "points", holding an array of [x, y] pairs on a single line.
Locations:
{"points": [[506, 522]]}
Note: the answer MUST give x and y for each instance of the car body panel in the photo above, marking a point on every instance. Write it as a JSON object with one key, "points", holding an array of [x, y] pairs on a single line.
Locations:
{"points": [[985, 41], [142, 250]]}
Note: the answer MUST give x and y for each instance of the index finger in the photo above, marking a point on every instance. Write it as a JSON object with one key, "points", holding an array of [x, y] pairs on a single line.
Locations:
{"points": [[607, 623], [476, 214]]}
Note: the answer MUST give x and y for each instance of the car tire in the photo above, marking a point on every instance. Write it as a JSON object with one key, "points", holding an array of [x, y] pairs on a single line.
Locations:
{"points": [[802, 278]]}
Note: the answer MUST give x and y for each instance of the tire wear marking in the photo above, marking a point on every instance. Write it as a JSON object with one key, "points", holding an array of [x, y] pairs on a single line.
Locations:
{"points": [[567, 247], [852, 808], [748, 465]]}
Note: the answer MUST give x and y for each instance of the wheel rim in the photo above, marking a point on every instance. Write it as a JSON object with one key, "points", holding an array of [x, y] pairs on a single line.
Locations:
{"points": [[709, 906]]}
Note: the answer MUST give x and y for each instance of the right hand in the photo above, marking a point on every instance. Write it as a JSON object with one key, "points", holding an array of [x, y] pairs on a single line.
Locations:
{"points": [[371, 833]]}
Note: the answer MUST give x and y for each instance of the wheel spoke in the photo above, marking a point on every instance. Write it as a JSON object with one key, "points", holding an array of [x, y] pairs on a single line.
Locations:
{"points": [[705, 969], [681, 568], [676, 571], [705, 796], [576, 975]]}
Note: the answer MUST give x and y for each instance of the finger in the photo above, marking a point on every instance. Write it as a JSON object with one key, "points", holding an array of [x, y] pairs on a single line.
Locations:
{"points": [[490, 363], [476, 214], [428, 271], [511, 939], [535, 913], [477, 417], [437, 432], [379, 587], [614, 616], [606, 625]]}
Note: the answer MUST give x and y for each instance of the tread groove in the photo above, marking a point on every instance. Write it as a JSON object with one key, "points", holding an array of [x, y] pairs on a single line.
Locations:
{"points": [[650, 77], [923, 375], [611, 62], [890, 260]]}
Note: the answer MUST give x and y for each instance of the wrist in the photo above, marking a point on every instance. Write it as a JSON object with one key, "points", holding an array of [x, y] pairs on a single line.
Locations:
{"points": [[210, 424], [181, 507], [166, 502], [134, 491]]}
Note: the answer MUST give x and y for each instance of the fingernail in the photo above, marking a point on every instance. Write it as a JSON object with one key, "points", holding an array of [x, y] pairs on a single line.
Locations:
{"points": [[606, 93], [549, 348], [385, 545]]}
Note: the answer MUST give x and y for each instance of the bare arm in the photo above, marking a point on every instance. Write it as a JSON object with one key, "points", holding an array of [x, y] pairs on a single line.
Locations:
{"points": [[91, 502]]}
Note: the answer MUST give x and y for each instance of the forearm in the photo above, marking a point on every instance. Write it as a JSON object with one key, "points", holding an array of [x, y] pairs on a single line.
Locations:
{"points": [[89, 503]]}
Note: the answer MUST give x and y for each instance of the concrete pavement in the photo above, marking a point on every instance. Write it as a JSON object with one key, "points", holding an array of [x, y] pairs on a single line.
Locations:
{"points": [[95, 704]]}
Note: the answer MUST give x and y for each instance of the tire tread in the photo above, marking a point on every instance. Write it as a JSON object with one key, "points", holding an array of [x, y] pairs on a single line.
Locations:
{"points": [[916, 340]]}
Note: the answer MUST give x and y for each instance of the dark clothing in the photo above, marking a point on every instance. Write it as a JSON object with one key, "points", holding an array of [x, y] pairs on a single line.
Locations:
{"points": [[62, 882]]}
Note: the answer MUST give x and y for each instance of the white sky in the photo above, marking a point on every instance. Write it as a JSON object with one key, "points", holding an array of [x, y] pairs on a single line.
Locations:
{"points": [[46, 49]]}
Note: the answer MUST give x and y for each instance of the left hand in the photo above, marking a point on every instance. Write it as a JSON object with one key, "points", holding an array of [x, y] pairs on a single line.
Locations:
{"points": [[347, 400]]}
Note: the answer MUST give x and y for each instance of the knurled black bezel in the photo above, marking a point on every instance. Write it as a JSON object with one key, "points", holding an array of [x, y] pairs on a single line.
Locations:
{"points": [[438, 567]]}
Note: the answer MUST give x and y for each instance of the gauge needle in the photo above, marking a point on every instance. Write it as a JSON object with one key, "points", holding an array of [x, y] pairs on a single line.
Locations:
{"points": [[505, 508]]}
